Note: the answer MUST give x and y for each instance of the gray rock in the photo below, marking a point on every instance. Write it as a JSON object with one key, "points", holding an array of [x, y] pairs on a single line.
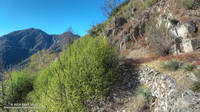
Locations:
{"points": [[169, 96]]}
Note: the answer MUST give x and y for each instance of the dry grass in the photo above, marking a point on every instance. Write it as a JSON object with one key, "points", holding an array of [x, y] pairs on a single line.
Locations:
{"points": [[135, 105], [140, 102]]}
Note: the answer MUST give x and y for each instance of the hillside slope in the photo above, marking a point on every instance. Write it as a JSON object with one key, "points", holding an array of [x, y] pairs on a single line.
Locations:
{"points": [[160, 26], [162, 39]]}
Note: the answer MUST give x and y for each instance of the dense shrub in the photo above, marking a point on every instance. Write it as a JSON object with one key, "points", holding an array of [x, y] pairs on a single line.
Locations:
{"points": [[189, 67], [84, 72], [196, 86], [144, 91], [97, 30], [18, 83], [40, 60], [18, 87], [171, 65], [119, 8]]}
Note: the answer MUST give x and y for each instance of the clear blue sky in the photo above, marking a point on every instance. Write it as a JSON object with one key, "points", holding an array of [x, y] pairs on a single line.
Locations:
{"points": [[51, 16]]}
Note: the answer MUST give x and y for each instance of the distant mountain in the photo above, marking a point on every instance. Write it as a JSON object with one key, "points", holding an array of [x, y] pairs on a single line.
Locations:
{"points": [[18, 46]]}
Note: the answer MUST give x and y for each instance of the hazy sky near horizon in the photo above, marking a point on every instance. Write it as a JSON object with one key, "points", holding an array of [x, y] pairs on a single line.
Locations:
{"points": [[51, 16]]}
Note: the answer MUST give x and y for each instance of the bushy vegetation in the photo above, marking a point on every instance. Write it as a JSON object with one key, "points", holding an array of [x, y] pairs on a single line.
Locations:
{"points": [[189, 67], [142, 98], [117, 9], [97, 30], [171, 65], [176, 65], [18, 87], [18, 84], [144, 91], [138, 4], [84, 72]]}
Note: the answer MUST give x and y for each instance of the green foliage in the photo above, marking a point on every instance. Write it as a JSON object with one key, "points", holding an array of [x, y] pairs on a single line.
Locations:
{"points": [[18, 87], [196, 86], [18, 84], [142, 5], [171, 65], [189, 67], [84, 72], [97, 30], [175, 65], [133, 4], [119, 8], [40, 60], [144, 91]]}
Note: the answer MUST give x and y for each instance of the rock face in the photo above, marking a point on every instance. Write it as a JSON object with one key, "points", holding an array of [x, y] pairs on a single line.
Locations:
{"points": [[183, 25], [169, 96], [182, 32]]}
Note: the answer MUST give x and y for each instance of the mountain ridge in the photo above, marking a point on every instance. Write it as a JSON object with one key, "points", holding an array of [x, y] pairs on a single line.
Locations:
{"points": [[19, 45]]}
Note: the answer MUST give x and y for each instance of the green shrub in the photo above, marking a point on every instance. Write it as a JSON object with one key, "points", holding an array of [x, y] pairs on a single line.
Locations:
{"points": [[97, 30], [171, 65], [84, 72], [19, 83], [144, 91], [196, 86], [18, 87], [119, 8], [189, 67]]}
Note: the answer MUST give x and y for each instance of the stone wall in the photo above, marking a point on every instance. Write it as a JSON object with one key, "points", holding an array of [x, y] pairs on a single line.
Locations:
{"points": [[169, 96]]}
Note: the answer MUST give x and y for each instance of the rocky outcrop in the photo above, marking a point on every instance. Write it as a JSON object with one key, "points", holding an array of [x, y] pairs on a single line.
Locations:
{"points": [[183, 33], [128, 27], [169, 96]]}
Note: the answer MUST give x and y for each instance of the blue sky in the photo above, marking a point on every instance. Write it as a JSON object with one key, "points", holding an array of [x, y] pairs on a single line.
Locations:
{"points": [[51, 16]]}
